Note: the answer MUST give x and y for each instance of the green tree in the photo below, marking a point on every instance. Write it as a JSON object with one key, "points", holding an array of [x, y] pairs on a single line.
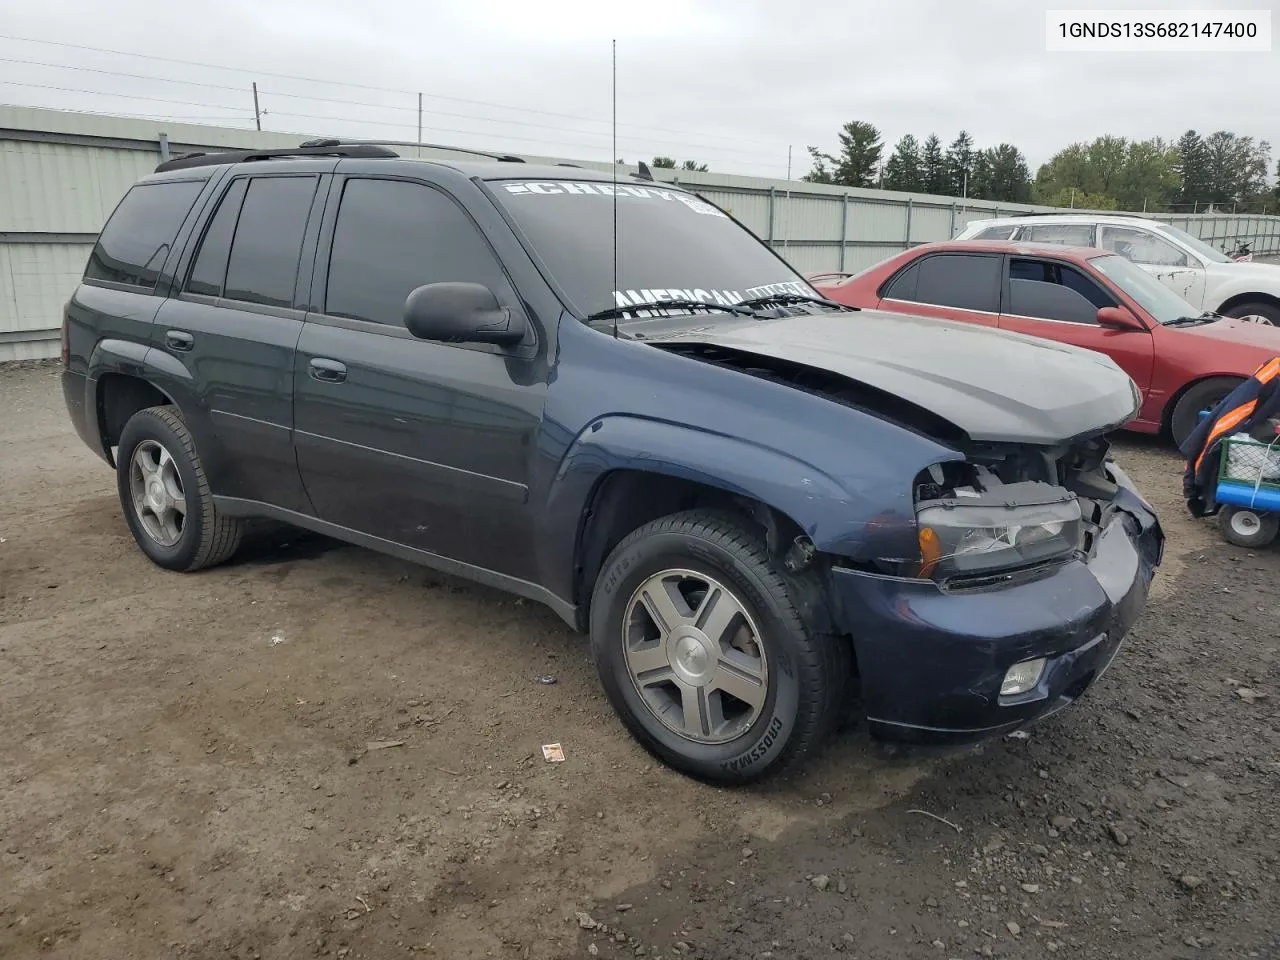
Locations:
{"points": [[693, 166], [902, 171], [980, 176], [1192, 169], [1236, 168], [858, 160], [1008, 179], [959, 164], [666, 163], [1106, 159], [1149, 179], [933, 167], [1079, 199]]}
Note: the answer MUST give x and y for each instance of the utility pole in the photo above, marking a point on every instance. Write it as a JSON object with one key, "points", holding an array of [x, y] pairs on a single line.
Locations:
{"points": [[419, 125], [257, 114], [1073, 198], [788, 161]]}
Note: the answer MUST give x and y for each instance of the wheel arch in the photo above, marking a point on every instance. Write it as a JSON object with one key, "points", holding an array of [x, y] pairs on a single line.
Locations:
{"points": [[1239, 299], [117, 397], [1166, 417]]}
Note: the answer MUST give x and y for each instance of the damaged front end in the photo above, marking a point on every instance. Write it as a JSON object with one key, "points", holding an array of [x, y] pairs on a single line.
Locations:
{"points": [[1033, 564], [1011, 513]]}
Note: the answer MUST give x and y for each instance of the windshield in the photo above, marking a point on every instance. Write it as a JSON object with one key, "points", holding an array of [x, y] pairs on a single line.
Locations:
{"points": [[671, 245], [1157, 299], [1196, 244]]}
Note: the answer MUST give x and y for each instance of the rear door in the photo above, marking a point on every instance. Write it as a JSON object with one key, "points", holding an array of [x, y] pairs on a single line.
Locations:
{"points": [[425, 444], [1058, 301], [950, 286], [233, 327]]}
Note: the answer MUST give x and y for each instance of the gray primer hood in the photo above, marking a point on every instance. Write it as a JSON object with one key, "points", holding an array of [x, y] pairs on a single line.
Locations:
{"points": [[994, 385]]}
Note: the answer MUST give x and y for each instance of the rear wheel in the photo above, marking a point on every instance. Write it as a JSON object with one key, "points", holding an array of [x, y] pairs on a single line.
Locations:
{"points": [[1204, 395], [165, 494], [702, 651], [1257, 309], [1248, 528]]}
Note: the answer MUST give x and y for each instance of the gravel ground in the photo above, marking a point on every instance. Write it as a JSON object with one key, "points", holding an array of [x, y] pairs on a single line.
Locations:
{"points": [[318, 751]]}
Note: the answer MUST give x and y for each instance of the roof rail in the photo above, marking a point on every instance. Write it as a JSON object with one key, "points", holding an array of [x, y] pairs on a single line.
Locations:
{"points": [[504, 157], [1084, 213], [312, 148]]}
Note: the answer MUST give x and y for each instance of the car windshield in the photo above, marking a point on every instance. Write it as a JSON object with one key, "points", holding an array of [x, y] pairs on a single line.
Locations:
{"points": [[1157, 299], [1196, 244], [671, 245]]}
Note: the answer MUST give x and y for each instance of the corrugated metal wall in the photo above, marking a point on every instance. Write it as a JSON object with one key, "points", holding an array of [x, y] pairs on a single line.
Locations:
{"points": [[62, 173]]}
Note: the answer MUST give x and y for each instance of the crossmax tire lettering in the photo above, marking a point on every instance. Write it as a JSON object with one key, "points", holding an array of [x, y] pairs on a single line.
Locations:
{"points": [[808, 671]]}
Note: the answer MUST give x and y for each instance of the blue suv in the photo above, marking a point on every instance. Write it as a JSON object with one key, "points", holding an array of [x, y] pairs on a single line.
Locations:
{"points": [[608, 396]]}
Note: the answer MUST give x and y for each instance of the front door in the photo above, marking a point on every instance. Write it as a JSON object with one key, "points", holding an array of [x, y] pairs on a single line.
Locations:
{"points": [[1175, 268], [233, 326], [419, 443], [1055, 300]]}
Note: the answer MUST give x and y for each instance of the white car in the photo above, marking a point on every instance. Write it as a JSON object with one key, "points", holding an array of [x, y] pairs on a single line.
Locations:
{"points": [[1207, 278]]}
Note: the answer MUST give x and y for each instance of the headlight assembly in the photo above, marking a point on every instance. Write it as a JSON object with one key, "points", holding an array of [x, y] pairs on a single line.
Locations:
{"points": [[1004, 528]]}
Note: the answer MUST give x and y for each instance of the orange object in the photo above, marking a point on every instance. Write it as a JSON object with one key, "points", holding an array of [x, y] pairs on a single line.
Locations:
{"points": [[930, 551]]}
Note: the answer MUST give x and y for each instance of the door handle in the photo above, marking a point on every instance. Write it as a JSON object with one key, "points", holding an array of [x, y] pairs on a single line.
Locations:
{"points": [[179, 340], [327, 371]]}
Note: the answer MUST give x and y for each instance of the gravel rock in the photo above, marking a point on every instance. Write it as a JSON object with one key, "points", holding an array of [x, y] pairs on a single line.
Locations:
{"points": [[1031, 888], [821, 882], [1119, 836], [1013, 927], [1189, 881]]}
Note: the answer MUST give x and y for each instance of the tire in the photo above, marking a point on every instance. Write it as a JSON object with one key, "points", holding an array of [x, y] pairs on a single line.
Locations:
{"points": [[157, 448], [792, 680], [1248, 528], [1204, 395], [1257, 309]]}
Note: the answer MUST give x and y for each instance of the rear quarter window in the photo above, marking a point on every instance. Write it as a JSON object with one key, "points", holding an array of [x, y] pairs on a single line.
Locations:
{"points": [[134, 244], [961, 280]]}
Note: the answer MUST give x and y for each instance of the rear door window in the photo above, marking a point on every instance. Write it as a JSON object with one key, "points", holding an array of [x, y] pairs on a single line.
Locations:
{"points": [[263, 263], [1070, 234], [996, 233], [1047, 290], [961, 280], [135, 242], [1142, 246], [209, 272]]}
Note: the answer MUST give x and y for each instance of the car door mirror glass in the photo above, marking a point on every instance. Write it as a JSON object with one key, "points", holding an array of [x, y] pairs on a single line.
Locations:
{"points": [[1118, 318], [461, 313]]}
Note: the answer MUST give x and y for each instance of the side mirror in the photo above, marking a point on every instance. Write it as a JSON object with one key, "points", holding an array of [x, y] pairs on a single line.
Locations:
{"points": [[1119, 318], [461, 313]]}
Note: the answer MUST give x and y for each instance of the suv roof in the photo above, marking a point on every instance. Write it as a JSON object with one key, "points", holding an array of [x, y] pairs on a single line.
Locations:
{"points": [[1022, 218], [494, 166]]}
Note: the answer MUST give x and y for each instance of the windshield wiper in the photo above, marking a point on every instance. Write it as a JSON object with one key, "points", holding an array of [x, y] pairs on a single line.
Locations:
{"points": [[617, 312], [1207, 317], [782, 299]]}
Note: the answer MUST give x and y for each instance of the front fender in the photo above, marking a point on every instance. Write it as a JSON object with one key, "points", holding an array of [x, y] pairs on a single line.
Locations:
{"points": [[868, 518]]}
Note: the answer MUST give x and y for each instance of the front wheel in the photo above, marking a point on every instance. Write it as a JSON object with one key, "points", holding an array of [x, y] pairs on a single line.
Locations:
{"points": [[702, 650], [1204, 395], [165, 494], [1270, 311], [1247, 528]]}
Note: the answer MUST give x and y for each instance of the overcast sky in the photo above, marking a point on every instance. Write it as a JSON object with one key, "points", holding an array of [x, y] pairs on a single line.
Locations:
{"points": [[729, 82]]}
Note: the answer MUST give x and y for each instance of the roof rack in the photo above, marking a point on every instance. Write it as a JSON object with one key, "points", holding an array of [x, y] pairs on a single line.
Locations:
{"points": [[1083, 213], [504, 157], [312, 148]]}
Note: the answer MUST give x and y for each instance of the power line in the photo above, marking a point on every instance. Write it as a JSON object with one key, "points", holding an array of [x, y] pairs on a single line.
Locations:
{"points": [[117, 73], [361, 86], [120, 96]]}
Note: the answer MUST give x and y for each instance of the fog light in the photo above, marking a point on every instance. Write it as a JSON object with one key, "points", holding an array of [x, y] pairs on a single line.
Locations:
{"points": [[1022, 677]]}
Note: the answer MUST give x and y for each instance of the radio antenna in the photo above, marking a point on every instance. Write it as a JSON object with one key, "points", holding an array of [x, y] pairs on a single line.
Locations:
{"points": [[613, 165]]}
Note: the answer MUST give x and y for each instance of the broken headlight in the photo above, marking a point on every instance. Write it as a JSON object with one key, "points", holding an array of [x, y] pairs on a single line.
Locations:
{"points": [[1008, 527]]}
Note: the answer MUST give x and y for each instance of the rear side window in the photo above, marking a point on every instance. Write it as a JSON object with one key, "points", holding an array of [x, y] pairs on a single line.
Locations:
{"points": [[1070, 234], [135, 242], [263, 265], [964, 281], [1054, 291], [996, 233], [392, 237], [209, 272]]}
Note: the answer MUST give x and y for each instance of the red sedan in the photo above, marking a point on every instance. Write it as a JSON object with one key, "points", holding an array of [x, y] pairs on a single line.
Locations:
{"points": [[1182, 360]]}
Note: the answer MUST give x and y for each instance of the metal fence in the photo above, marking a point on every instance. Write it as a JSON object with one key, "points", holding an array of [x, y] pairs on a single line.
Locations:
{"points": [[62, 173]]}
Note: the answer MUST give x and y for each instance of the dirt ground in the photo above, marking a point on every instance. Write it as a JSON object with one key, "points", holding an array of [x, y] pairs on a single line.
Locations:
{"points": [[199, 766]]}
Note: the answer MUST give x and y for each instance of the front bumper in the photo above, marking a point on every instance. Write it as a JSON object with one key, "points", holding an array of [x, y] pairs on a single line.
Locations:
{"points": [[931, 661]]}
